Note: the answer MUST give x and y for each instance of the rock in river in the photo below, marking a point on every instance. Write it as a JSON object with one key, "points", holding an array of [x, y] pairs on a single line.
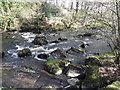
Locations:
{"points": [[58, 53], [73, 81], [43, 56], [24, 52], [54, 42], [40, 40], [55, 66], [92, 60], [73, 50], [62, 39], [75, 71]]}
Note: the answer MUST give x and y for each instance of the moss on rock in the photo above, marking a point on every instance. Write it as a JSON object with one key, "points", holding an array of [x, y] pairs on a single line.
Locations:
{"points": [[55, 65], [73, 50], [92, 60], [91, 80], [114, 86], [24, 52]]}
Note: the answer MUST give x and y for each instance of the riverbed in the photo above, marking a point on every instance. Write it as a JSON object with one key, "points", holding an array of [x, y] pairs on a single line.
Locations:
{"points": [[28, 72]]}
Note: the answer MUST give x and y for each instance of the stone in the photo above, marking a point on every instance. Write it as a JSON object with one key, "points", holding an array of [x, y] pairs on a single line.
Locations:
{"points": [[58, 53], [54, 42], [84, 45], [24, 52], [40, 40], [94, 79], [91, 80], [92, 60], [55, 66], [43, 56], [73, 50], [73, 81], [75, 71], [62, 39], [87, 34]]}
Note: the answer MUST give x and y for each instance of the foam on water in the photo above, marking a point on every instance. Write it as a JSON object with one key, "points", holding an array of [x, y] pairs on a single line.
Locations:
{"points": [[28, 36], [51, 44], [35, 51], [14, 55], [39, 58]]}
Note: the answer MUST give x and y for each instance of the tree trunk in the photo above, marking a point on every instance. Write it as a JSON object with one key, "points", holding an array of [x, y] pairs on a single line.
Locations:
{"points": [[117, 61]]}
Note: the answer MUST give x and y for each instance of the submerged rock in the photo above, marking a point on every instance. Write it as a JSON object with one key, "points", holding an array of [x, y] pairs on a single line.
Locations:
{"points": [[43, 56], [24, 52], [92, 60], [73, 50], [84, 45], [54, 42], [58, 53], [88, 34], [55, 66], [40, 40]]}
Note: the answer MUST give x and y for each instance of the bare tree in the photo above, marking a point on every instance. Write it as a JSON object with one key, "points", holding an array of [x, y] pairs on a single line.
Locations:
{"points": [[110, 16]]}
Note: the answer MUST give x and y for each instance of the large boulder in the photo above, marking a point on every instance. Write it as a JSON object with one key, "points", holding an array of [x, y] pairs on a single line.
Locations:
{"points": [[58, 53], [95, 78], [40, 40], [24, 52], [91, 80], [73, 50], [92, 60], [75, 71], [55, 66]]}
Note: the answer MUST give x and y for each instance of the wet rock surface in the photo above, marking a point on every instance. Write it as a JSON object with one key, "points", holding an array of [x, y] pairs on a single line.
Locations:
{"points": [[43, 56], [92, 60], [24, 52], [75, 70], [58, 53], [55, 66], [73, 50], [40, 40]]}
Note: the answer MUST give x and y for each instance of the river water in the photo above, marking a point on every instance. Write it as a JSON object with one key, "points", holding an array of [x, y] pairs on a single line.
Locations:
{"points": [[28, 72]]}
